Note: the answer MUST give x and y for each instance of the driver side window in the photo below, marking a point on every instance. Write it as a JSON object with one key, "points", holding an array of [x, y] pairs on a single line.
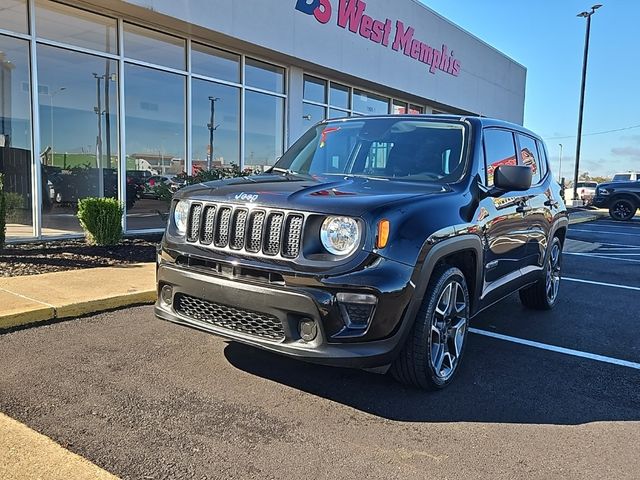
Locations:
{"points": [[499, 149]]}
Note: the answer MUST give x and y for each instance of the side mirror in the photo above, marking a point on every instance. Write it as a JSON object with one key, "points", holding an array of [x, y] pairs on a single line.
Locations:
{"points": [[510, 178]]}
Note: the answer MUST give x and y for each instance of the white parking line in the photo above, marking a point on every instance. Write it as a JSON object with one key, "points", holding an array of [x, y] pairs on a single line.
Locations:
{"points": [[604, 232], [606, 257], [602, 284], [553, 348]]}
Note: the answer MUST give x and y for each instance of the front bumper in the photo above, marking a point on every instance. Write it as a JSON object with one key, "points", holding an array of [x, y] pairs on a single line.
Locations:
{"points": [[311, 299], [600, 201]]}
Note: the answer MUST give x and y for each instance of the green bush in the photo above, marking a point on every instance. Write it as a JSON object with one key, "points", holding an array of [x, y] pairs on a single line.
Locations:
{"points": [[3, 224], [101, 219], [14, 205]]}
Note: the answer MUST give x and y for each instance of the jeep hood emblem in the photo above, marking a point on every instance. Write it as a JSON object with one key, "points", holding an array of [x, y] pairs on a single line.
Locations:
{"points": [[246, 197]]}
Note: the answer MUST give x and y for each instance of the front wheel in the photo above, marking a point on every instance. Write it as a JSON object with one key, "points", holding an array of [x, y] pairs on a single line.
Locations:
{"points": [[543, 295], [433, 351], [622, 209]]}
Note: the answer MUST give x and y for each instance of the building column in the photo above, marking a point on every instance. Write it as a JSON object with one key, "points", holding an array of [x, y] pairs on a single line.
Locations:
{"points": [[295, 123]]}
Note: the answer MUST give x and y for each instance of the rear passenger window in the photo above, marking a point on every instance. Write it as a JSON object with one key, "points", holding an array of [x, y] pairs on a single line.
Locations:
{"points": [[499, 150], [529, 157], [544, 165]]}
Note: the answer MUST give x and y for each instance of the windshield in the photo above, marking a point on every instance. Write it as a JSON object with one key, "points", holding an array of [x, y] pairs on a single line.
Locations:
{"points": [[621, 177], [388, 148]]}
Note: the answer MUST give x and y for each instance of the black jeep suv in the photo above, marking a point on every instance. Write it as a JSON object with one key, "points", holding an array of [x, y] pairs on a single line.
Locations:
{"points": [[371, 243], [621, 198]]}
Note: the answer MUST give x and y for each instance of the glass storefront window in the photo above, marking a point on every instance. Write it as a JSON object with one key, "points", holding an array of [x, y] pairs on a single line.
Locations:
{"points": [[315, 89], [215, 63], [78, 108], [154, 47], [13, 16], [416, 110], [264, 76], [339, 96], [223, 103], [335, 113], [155, 103], [399, 108], [15, 136], [370, 103], [312, 114], [76, 27], [264, 129]]}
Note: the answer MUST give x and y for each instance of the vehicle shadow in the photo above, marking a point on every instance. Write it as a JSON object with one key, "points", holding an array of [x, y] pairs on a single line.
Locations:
{"points": [[499, 383]]}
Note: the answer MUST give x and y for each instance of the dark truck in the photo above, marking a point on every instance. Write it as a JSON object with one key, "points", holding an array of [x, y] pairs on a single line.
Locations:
{"points": [[371, 243], [622, 198]]}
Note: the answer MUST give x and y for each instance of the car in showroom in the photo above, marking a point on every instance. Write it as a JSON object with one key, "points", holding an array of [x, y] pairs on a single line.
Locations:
{"points": [[371, 243], [620, 197]]}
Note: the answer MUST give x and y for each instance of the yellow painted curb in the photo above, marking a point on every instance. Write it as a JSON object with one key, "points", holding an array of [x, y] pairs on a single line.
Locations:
{"points": [[102, 304], [25, 453]]}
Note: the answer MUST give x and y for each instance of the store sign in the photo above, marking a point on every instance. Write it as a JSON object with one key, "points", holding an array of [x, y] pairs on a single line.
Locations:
{"points": [[351, 15]]}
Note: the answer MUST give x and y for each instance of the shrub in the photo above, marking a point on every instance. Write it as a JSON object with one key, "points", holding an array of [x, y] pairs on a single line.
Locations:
{"points": [[101, 219], [14, 205], [3, 225]]}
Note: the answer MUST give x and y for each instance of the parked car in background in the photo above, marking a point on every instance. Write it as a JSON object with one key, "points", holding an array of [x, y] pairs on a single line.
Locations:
{"points": [[626, 177], [173, 182], [586, 192], [620, 197], [371, 243]]}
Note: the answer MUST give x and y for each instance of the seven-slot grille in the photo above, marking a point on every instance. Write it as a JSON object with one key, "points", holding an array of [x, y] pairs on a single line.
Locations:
{"points": [[253, 231]]}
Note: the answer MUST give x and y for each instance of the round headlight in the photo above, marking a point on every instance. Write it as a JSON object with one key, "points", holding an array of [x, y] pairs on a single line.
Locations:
{"points": [[340, 235], [180, 216]]}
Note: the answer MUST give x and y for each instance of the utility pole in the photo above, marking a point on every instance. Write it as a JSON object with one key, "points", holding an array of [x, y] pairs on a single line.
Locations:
{"points": [[212, 128], [588, 16]]}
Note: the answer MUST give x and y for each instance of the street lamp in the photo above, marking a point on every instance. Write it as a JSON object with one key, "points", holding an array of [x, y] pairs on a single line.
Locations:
{"points": [[588, 16], [51, 97], [212, 128]]}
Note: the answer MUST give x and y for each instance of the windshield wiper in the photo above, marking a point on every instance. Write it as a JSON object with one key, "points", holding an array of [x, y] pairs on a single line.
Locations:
{"points": [[289, 173]]}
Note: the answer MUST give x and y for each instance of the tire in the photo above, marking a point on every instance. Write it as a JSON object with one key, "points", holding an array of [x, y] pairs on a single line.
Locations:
{"points": [[432, 354], [543, 295], [622, 209]]}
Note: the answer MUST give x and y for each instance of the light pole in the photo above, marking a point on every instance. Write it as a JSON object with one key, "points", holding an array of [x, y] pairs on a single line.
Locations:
{"points": [[588, 16], [212, 128], [560, 167], [51, 96]]}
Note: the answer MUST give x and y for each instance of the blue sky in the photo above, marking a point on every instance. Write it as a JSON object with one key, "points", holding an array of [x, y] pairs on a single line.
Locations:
{"points": [[547, 37]]}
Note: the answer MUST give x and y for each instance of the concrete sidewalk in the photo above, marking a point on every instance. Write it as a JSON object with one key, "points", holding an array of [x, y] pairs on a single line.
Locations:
{"points": [[25, 453], [38, 298]]}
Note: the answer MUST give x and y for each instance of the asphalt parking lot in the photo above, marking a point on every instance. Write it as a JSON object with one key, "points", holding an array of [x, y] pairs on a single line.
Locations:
{"points": [[147, 399]]}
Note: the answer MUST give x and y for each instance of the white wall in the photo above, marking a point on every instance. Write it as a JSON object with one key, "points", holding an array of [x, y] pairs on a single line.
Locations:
{"points": [[489, 83]]}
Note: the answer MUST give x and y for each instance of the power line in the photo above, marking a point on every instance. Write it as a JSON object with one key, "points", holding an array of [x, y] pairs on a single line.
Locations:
{"points": [[631, 127]]}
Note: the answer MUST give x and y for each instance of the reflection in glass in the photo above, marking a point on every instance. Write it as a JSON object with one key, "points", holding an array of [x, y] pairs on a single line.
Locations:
{"points": [[78, 108], [339, 95], [77, 27], [399, 108], [312, 114], [370, 103], [264, 129], [264, 76], [416, 110], [215, 111], [13, 16], [335, 113], [529, 157], [155, 104], [15, 135], [154, 47], [315, 89], [215, 63]]}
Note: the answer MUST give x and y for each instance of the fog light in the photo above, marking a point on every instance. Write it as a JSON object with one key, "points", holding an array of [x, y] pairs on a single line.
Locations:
{"points": [[166, 294], [356, 309], [308, 330]]}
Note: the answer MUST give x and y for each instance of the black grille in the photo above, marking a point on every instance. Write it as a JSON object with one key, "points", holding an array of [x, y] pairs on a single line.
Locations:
{"points": [[194, 222], [232, 318], [254, 231]]}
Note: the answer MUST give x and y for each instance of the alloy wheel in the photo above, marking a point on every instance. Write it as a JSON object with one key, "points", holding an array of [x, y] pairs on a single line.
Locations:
{"points": [[622, 210], [448, 327], [553, 273]]}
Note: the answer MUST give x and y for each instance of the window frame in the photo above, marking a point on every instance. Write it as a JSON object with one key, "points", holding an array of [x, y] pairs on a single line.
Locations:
{"points": [[518, 133], [486, 156]]}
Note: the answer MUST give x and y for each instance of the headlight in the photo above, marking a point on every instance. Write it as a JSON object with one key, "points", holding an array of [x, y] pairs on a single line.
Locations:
{"points": [[604, 191], [340, 235], [180, 216]]}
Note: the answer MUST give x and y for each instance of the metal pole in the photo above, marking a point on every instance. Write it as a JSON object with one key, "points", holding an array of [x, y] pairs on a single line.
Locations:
{"points": [[581, 110], [212, 127], [560, 168], [99, 137]]}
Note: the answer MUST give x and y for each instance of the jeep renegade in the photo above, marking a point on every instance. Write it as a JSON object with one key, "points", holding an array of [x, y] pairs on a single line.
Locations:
{"points": [[371, 243]]}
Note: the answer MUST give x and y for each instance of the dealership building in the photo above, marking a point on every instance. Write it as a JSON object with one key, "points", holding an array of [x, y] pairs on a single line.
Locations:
{"points": [[106, 97]]}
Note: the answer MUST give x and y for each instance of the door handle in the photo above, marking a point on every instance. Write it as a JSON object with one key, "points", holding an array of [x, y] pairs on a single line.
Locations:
{"points": [[551, 203], [523, 208]]}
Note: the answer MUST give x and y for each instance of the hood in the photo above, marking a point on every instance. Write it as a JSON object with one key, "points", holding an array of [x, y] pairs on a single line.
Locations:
{"points": [[345, 195], [620, 184]]}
